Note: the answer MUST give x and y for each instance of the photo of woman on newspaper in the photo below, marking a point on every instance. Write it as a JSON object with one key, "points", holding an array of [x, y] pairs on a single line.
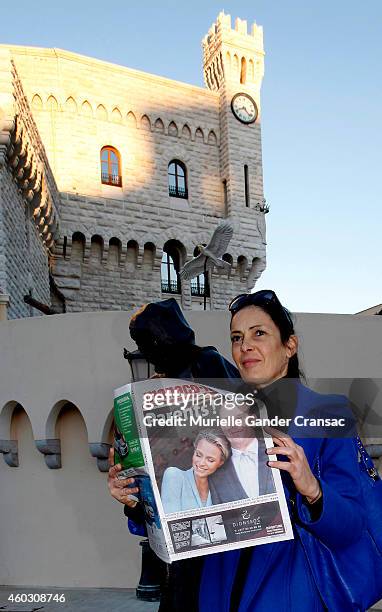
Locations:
{"points": [[188, 489]]}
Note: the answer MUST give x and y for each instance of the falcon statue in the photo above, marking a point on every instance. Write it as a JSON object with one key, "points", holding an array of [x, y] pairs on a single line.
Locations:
{"points": [[210, 255]]}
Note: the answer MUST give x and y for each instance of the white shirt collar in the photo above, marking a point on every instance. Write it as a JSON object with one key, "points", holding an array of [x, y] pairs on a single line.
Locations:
{"points": [[252, 448]]}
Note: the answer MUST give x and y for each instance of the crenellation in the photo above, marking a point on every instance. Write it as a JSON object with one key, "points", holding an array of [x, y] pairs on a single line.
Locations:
{"points": [[241, 26], [223, 21]]}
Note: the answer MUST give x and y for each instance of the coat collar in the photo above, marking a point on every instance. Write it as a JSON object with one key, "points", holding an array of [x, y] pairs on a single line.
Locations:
{"points": [[189, 474]]}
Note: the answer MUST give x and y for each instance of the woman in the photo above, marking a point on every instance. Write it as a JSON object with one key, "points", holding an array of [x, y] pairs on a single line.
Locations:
{"points": [[165, 338], [264, 348], [185, 490]]}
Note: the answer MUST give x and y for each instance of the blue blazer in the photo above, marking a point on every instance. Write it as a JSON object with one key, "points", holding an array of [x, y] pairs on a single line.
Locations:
{"points": [[279, 575], [179, 491]]}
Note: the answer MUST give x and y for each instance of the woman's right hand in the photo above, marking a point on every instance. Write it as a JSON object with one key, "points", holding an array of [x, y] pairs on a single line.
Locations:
{"points": [[119, 487]]}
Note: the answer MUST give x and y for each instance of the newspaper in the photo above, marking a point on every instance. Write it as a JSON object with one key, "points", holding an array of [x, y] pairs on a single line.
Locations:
{"points": [[198, 457]]}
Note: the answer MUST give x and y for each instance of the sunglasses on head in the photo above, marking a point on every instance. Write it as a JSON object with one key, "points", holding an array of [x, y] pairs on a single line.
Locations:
{"points": [[260, 298]]}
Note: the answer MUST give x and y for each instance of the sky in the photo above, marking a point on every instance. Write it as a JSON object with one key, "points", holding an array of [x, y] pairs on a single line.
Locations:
{"points": [[321, 120]]}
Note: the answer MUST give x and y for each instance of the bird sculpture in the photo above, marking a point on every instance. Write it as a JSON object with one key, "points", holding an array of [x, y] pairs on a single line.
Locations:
{"points": [[257, 268], [211, 254]]}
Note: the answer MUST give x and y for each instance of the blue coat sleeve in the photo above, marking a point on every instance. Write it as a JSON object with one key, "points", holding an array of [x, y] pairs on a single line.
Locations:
{"points": [[342, 517], [136, 520], [171, 491]]}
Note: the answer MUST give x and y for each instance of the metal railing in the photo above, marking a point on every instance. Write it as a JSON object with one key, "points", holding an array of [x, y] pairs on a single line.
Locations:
{"points": [[111, 179], [170, 286], [199, 289], [177, 192]]}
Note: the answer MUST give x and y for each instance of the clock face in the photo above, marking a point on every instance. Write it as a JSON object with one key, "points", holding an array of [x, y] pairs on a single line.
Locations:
{"points": [[244, 108]]}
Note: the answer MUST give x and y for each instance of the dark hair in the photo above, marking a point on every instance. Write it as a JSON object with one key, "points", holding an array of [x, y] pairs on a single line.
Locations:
{"points": [[286, 331], [281, 317]]}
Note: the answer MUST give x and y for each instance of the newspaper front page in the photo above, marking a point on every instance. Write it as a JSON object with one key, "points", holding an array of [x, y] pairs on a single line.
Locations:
{"points": [[198, 456]]}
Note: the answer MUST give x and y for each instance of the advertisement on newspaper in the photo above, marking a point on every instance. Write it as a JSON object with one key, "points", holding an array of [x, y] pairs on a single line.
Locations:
{"points": [[198, 455]]}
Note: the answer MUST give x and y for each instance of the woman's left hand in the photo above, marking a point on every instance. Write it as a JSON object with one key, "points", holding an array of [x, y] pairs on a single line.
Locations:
{"points": [[297, 465]]}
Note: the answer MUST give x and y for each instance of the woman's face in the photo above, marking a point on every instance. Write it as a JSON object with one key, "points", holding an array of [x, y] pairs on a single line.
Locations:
{"points": [[207, 458], [259, 354]]}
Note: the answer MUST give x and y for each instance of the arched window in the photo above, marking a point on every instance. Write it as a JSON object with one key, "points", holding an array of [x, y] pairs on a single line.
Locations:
{"points": [[78, 247], [199, 284], [229, 259], [243, 72], [170, 269], [177, 179], [111, 167]]}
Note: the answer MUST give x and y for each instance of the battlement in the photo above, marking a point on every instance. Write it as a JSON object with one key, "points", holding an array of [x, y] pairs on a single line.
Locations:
{"points": [[229, 52], [222, 32]]}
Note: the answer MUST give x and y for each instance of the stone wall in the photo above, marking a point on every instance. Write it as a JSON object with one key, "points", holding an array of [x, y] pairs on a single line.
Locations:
{"points": [[26, 260], [3, 276], [123, 269], [28, 199]]}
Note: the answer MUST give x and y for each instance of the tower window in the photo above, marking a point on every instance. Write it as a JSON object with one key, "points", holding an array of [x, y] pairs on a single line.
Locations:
{"points": [[177, 179], [225, 196], [246, 185], [111, 167]]}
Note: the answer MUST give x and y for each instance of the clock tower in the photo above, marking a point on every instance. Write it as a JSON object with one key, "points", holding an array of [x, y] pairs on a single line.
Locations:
{"points": [[234, 68]]}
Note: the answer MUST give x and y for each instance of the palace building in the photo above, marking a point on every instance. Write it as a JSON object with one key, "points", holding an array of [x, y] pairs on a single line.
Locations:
{"points": [[110, 177]]}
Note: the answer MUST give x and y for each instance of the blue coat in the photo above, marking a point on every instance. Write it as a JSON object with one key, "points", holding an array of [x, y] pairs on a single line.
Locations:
{"points": [[278, 575], [179, 491]]}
